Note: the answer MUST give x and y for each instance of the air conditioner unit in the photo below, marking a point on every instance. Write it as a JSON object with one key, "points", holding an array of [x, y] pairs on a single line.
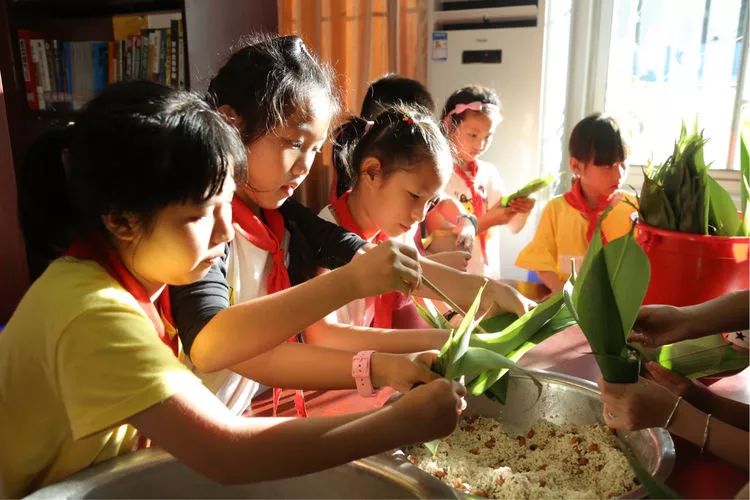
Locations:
{"points": [[498, 44]]}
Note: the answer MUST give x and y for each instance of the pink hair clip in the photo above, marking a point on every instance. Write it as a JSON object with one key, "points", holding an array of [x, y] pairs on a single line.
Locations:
{"points": [[368, 126], [473, 106]]}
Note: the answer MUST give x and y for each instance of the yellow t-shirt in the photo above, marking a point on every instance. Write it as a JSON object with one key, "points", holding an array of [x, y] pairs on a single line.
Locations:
{"points": [[561, 235], [77, 359]]}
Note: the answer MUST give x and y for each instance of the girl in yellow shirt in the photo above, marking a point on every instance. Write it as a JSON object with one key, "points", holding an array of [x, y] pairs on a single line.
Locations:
{"points": [[597, 161], [142, 184]]}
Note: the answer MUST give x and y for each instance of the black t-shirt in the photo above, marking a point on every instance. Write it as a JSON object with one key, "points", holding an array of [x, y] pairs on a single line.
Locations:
{"points": [[313, 243]]}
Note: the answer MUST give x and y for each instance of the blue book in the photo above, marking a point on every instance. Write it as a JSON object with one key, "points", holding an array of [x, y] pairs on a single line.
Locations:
{"points": [[100, 65], [68, 74]]}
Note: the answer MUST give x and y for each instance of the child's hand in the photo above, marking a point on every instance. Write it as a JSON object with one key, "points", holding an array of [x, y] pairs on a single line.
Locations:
{"points": [[465, 234], [497, 216], [636, 406], [522, 205], [386, 267], [432, 409], [402, 371], [499, 297], [658, 325], [457, 259]]}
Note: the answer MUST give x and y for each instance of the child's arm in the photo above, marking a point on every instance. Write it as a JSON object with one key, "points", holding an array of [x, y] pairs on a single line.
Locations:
{"points": [[450, 215], [198, 430], [305, 366], [356, 338], [462, 288], [551, 280], [248, 329]]}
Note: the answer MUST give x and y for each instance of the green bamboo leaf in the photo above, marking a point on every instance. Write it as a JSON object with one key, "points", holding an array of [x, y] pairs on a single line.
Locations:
{"points": [[498, 323], [529, 189], [654, 208], [523, 328], [562, 320], [701, 357], [433, 318], [568, 289], [478, 360], [432, 446], [596, 308], [629, 273], [723, 212], [499, 391], [595, 246], [654, 487], [461, 337]]}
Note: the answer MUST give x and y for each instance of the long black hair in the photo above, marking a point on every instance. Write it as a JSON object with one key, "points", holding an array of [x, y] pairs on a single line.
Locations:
{"points": [[400, 137], [269, 79], [135, 148]]}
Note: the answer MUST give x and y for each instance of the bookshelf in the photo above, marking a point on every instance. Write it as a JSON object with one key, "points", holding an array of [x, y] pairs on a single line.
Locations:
{"points": [[209, 28]]}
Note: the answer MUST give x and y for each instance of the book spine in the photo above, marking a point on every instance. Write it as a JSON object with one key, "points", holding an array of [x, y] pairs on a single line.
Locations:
{"points": [[27, 65], [173, 57]]}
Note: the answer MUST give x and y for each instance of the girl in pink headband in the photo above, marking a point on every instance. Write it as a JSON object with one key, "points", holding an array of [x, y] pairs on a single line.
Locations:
{"points": [[469, 120]]}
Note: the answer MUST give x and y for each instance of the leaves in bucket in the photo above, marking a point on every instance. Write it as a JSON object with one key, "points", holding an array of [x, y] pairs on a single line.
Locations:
{"points": [[680, 194], [605, 298]]}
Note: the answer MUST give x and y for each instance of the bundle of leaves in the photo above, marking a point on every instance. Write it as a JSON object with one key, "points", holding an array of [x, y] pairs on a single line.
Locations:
{"points": [[484, 359], [680, 194], [604, 298]]}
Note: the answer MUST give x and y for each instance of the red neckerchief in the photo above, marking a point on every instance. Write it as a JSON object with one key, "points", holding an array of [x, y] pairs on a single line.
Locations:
{"points": [[268, 237], [385, 303], [575, 199], [98, 249], [477, 202]]}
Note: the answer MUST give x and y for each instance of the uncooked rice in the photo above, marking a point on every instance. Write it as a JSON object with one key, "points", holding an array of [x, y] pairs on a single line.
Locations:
{"points": [[548, 461]]}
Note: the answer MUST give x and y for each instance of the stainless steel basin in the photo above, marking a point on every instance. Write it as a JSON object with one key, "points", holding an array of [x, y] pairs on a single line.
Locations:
{"points": [[564, 399], [156, 474]]}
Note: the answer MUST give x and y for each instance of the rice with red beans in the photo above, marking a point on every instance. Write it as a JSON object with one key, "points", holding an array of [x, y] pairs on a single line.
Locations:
{"points": [[548, 461]]}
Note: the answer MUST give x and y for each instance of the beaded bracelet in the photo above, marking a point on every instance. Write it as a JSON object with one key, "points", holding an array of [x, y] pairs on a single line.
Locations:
{"points": [[674, 410], [705, 434]]}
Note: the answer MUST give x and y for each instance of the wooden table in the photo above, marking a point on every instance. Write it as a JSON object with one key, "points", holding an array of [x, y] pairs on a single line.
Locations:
{"points": [[694, 476]]}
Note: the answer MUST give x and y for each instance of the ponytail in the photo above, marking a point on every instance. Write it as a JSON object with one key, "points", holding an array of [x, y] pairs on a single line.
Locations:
{"points": [[44, 204], [400, 137], [345, 139]]}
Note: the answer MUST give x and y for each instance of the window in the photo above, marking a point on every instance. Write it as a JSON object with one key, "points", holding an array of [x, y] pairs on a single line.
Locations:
{"points": [[674, 61]]}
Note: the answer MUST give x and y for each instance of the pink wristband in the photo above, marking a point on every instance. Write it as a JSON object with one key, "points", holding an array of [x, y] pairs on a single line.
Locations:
{"points": [[361, 373]]}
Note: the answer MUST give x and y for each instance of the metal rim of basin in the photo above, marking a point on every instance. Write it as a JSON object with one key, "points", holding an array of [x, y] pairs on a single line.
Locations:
{"points": [[661, 439]]}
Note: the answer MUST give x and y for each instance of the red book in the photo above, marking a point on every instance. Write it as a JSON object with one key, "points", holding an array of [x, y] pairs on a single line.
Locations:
{"points": [[27, 65]]}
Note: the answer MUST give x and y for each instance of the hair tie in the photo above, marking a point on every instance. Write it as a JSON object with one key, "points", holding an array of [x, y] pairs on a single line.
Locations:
{"points": [[473, 106], [368, 126], [408, 119]]}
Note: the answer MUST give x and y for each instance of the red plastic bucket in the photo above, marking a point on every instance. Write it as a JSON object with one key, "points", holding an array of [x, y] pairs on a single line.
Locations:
{"points": [[688, 268]]}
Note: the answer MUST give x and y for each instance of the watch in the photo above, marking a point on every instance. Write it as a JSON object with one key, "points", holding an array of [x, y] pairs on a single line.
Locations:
{"points": [[361, 373]]}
